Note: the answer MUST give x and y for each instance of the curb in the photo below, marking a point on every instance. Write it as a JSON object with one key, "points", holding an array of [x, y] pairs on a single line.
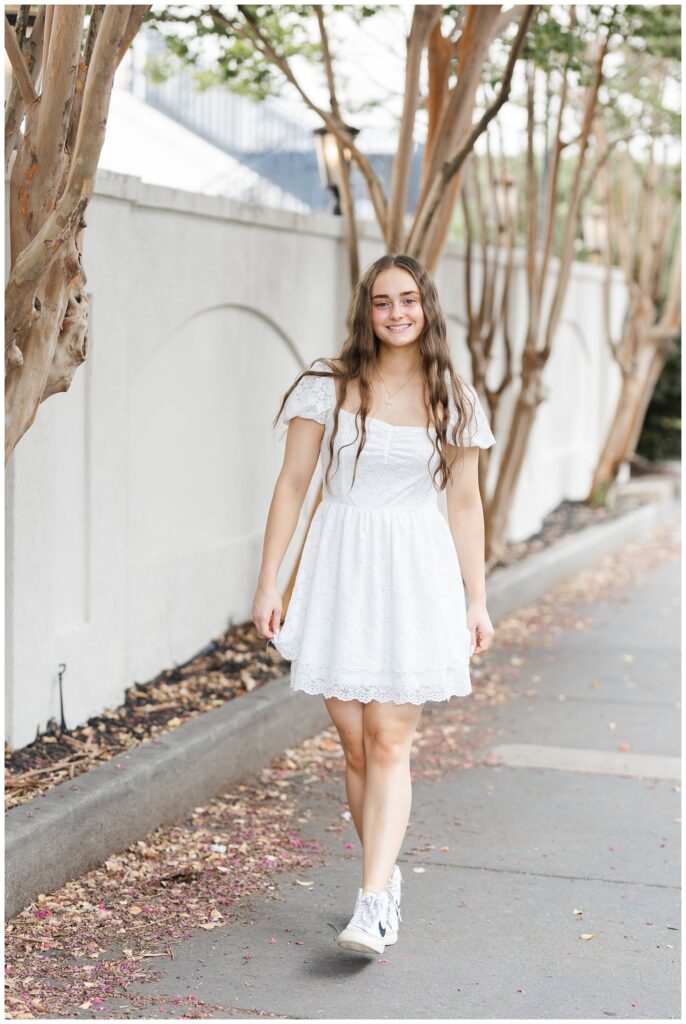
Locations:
{"points": [[76, 825], [520, 584], [68, 830]]}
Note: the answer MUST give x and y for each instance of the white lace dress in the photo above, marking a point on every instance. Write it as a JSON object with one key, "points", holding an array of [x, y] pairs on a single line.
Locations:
{"points": [[377, 610]]}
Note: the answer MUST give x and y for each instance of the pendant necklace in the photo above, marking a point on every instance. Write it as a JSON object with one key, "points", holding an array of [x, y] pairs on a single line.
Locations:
{"points": [[388, 401]]}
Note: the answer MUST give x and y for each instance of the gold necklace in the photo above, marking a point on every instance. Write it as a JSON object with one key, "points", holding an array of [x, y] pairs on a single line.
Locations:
{"points": [[389, 400]]}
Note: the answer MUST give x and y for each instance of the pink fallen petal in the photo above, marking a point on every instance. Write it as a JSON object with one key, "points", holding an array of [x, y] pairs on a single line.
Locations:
{"points": [[300, 942], [382, 961]]}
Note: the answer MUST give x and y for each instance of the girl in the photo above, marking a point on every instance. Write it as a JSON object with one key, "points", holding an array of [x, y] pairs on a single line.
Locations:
{"points": [[377, 622]]}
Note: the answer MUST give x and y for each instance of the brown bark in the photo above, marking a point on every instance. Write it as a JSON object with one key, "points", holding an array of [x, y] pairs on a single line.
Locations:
{"points": [[429, 230], [21, 72], [32, 54], [345, 192], [491, 316], [424, 20], [647, 338], [534, 358], [625, 427], [51, 184], [441, 52], [455, 119]]}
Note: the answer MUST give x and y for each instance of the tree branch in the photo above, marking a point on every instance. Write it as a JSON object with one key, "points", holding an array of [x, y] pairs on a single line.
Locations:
{"points": [[64, 219], [93, 27], [138, 12], [570, 226], [15, 108], [21, 72], [423, 20], [345, 192], [451, 166], [265, 47]]}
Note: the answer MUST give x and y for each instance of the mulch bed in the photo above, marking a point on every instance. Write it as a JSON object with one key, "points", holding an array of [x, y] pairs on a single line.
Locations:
{"points": [[569, 517], [227, 668]]}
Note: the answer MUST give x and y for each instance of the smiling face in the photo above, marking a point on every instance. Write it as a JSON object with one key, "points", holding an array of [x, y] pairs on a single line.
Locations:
{"points": [[397, 314]]}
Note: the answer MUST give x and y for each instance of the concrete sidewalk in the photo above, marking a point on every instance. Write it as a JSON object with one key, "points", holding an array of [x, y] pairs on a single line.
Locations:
{"points": [[574, 833], [75, 826]]}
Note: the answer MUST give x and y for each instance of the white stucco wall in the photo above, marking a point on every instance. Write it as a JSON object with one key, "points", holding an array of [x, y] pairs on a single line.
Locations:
{"points": [[136, 503]]}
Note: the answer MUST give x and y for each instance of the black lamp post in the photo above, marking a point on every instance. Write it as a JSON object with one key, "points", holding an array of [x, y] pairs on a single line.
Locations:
{"points": [[328, 160]]}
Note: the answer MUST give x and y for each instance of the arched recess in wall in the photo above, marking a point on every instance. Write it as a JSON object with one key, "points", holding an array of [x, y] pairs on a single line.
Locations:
{"points": [[201, 445]]}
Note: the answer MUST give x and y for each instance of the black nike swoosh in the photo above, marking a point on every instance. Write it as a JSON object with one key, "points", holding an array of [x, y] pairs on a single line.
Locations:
{"points": [[382, 930]]}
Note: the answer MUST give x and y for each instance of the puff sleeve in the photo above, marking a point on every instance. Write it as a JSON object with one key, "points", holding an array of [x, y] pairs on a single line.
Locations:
{"points": [[311, 398], [477, 431]]}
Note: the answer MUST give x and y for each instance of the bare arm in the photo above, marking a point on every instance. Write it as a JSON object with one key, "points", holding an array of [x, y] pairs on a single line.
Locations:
{"points": [[466, 521], [299, 462]]}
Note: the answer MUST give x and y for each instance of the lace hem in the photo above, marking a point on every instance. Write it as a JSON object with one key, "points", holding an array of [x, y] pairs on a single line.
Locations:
{"points": [[459, 685]]}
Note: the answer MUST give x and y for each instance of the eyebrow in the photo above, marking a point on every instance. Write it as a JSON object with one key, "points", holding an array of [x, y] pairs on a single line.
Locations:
{"points": [[388, 296]]}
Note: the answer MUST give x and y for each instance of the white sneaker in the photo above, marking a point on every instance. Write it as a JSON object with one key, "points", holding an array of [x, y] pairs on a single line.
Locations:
{"points": [[395, 884], [394, 916], [366, 930]]}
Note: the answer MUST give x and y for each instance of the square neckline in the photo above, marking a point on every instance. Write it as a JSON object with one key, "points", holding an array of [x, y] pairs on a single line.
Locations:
{"points": [[393, 426]]}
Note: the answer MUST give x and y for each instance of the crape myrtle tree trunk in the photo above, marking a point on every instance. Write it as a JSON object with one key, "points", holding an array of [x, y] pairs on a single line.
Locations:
{"points": [[642, 203], [485, 199], [644, 220], [542, 223], [560, 49], [495, 190], [55, 116]]}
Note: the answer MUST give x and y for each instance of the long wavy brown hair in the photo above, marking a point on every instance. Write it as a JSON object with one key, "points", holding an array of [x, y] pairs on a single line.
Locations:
{"points": [[359, 353]]}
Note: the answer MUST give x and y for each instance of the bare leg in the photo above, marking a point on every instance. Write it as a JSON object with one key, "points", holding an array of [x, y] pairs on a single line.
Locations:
{"points": [[346, 715], [388, 732]]}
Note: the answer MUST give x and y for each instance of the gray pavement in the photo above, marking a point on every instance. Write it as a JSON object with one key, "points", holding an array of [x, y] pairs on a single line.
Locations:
{"points": [[567, 835]]}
